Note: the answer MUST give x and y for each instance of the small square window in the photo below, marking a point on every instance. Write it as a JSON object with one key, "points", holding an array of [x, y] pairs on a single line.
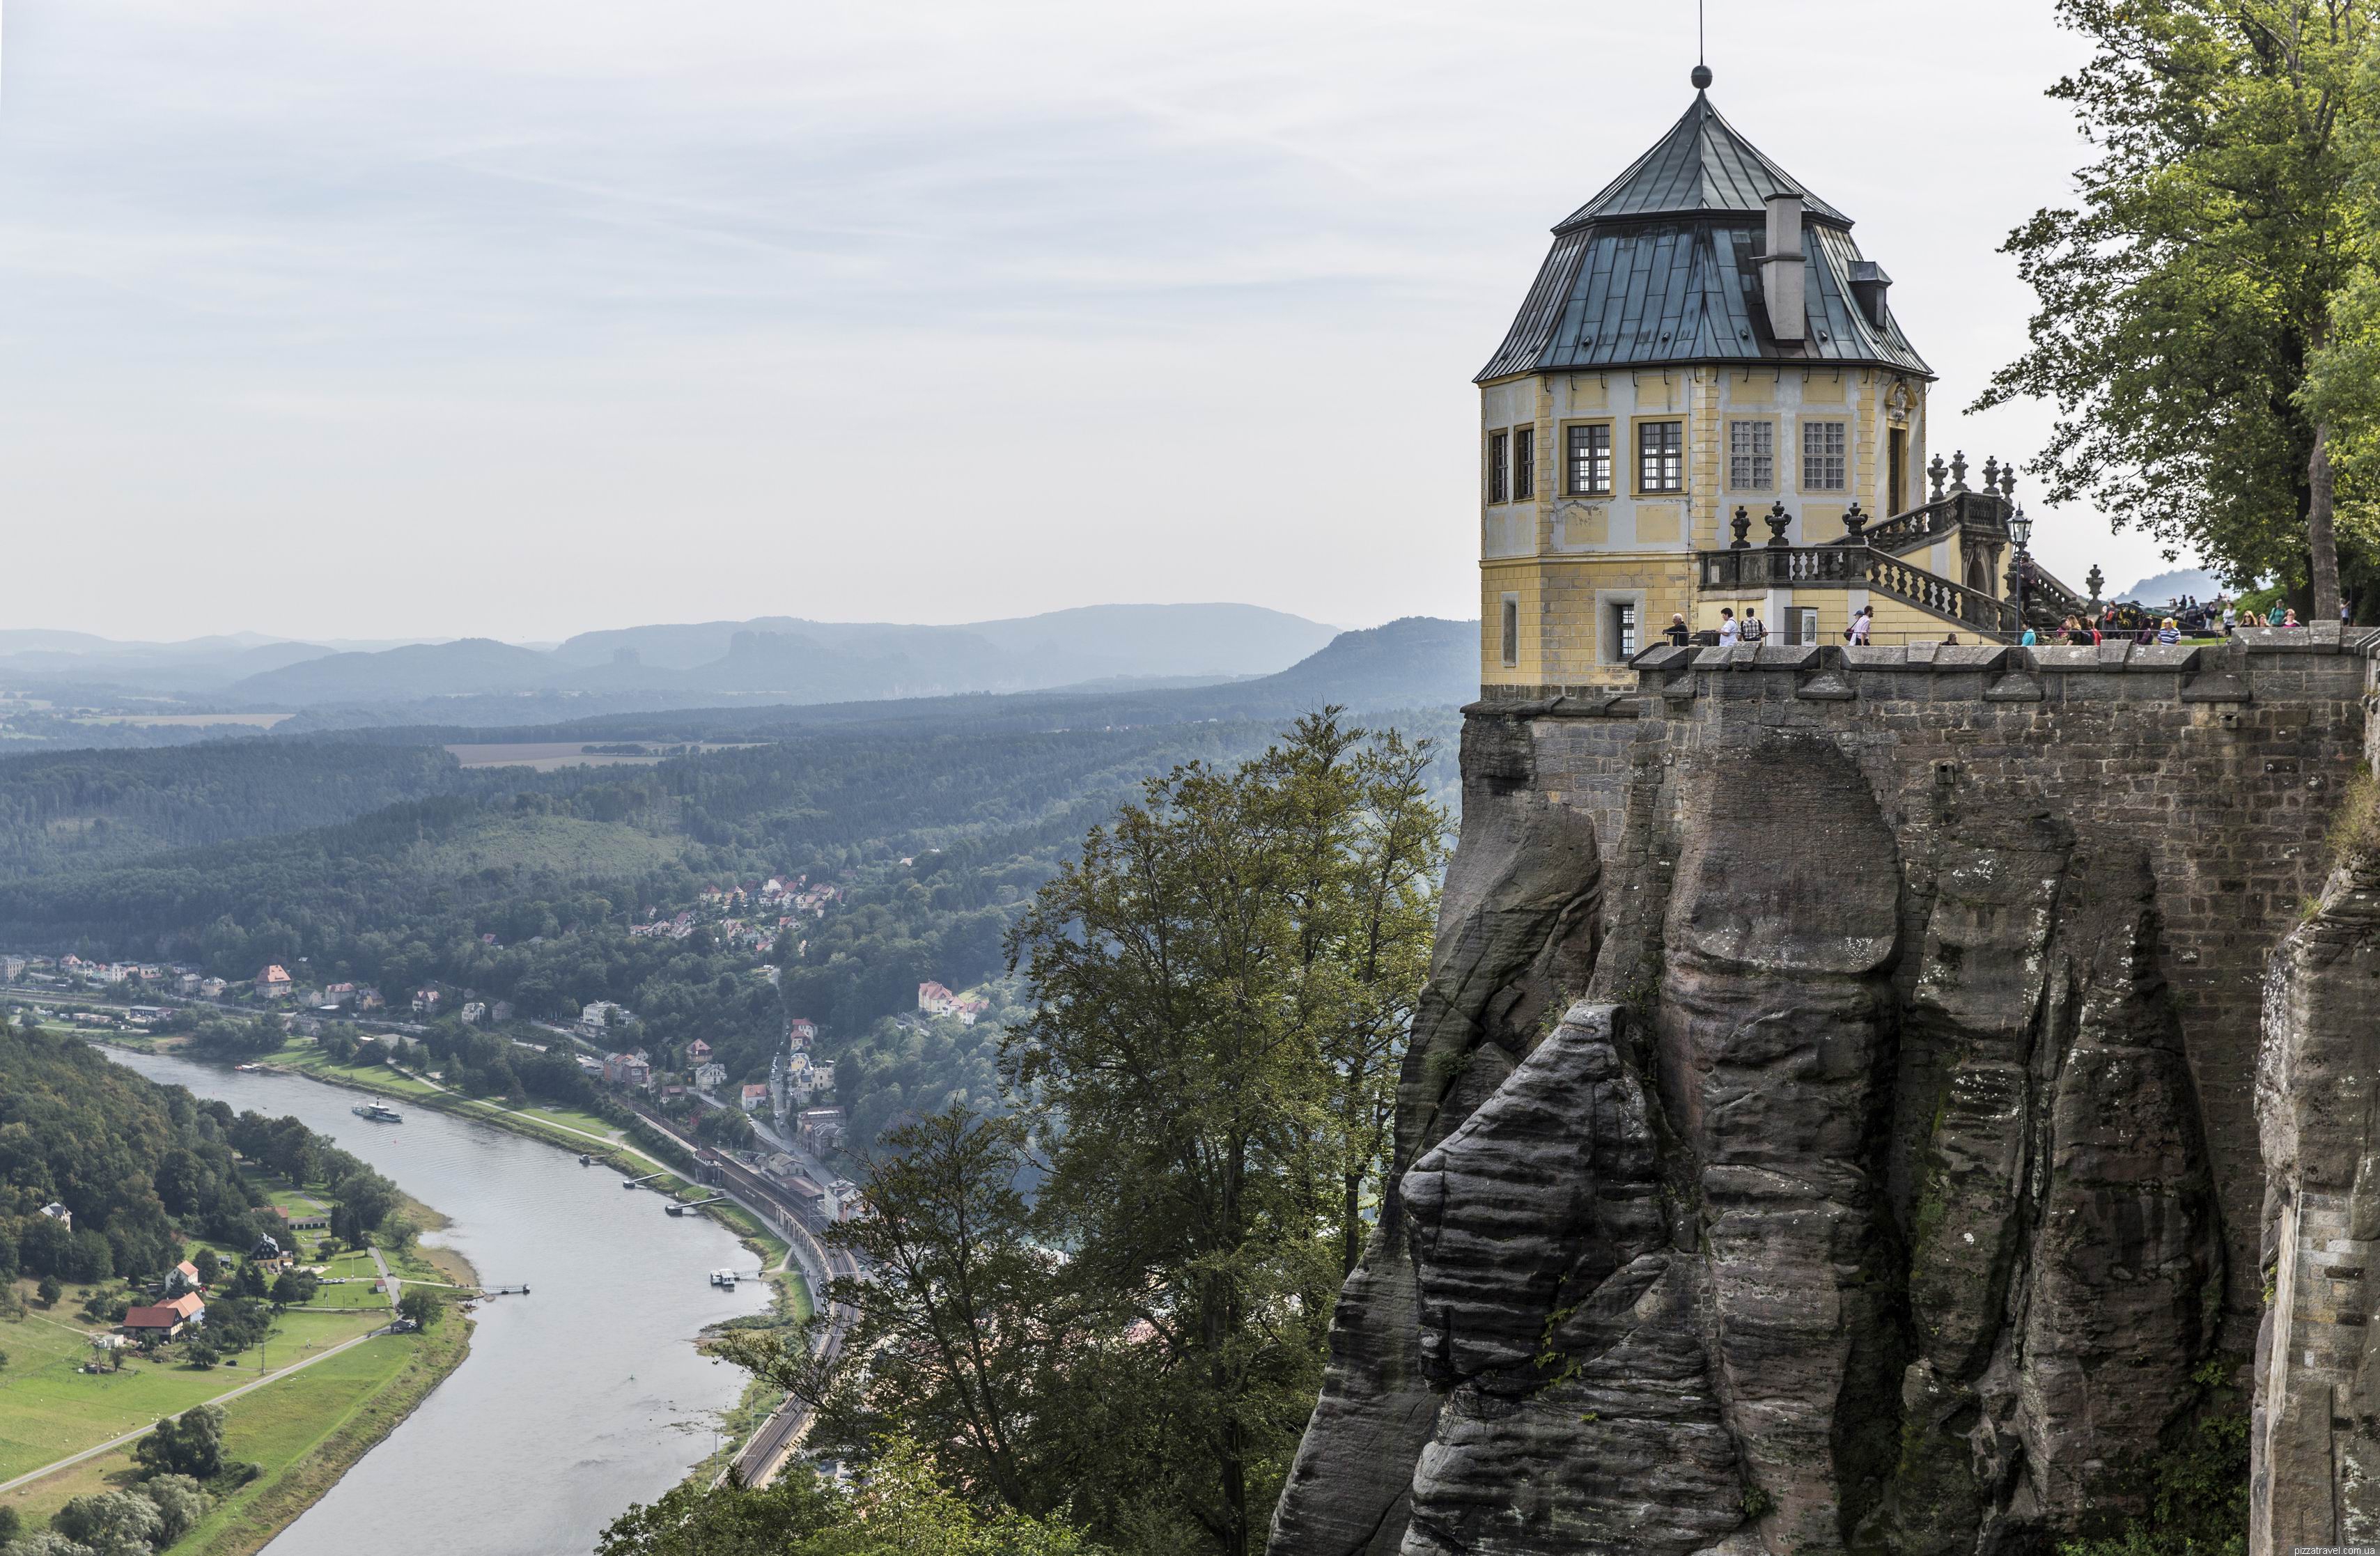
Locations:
{"points": [[1750, 455], [1589, 460], [1661, 457], [1499, 448], [1824, 468], [1525, 463]]}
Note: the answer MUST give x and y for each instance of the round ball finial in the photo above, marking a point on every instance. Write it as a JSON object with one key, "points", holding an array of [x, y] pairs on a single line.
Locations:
{"points": [[1700, 78]]}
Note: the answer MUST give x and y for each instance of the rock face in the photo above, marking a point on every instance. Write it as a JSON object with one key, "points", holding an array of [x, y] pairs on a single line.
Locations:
{"points": [[1859, 1203], [2316, 1440]]}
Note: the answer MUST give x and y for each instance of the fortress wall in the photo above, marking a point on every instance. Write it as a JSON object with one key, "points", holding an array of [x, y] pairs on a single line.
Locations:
{"points": [[2221, 765]]}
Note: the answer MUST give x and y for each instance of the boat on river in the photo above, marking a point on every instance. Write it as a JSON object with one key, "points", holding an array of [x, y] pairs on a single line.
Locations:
{"points": [[378, 1113]]}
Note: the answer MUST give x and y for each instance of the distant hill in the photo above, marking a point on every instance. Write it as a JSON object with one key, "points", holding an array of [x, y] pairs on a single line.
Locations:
{"points": [[469, 664], [794, 660], [1414, 662], [2197, 582]]}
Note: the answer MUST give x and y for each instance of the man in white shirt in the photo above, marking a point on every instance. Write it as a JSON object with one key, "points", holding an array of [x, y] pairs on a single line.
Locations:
{"points": [[1860, 625], [1730, 633]]}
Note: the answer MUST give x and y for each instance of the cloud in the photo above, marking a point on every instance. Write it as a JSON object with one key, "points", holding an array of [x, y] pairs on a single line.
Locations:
{"points": [[520, 318]]}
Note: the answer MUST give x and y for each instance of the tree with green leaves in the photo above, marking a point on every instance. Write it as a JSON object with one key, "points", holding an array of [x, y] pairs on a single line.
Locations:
{"points": [[190, 1444], [962, 1335], [1221, 976], [896, 1507], [424, 1305], [2184, 301]]}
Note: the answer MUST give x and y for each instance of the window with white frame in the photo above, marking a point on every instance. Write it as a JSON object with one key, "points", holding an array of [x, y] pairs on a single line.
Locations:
{"points": [[1589, 460], [1661, 456], [1752, 456], [1823, 466]]}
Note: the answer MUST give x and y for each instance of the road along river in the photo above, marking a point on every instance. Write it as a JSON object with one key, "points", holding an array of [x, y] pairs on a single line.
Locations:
{"points": [[575, 1400]]}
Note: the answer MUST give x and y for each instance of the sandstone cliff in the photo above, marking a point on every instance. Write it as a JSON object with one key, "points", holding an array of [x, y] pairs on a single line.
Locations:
{"points": [[1779, 1170]]}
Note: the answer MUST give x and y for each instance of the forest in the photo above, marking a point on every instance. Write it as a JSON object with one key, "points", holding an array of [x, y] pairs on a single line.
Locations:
{"points": [[522, 886], [141, 1167]]}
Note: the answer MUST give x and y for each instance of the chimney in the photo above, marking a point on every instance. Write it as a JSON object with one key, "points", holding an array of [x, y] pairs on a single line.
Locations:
{"points": [[1781, 270]]}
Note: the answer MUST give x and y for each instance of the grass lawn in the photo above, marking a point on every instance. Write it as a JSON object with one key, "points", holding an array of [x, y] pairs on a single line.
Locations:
{"points": [[49, 1410], [302, 1433]]}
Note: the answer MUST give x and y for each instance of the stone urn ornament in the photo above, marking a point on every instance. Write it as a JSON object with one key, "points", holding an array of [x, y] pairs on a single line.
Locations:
{"points": [[1854, 522], [1776, 518], [1741, 524]]}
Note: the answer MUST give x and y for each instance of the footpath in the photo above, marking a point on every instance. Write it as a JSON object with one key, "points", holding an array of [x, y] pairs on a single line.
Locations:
{"points": [[114, 1442]]}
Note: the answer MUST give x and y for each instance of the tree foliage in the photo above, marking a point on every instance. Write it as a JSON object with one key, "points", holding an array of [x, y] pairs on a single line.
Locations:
{"points": [[1222, 974], [2185, 300]]}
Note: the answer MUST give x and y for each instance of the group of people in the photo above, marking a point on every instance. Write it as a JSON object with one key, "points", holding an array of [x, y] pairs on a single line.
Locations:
{"points": [[1730, 630], [1750, 630], [2115, 623]]}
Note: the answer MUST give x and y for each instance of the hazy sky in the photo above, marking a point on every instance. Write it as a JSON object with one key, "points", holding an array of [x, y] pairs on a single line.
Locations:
{"points": [[524, 317]]}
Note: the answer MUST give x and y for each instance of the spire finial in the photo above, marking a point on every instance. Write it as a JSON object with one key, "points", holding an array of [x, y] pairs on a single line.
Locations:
{"points": [[1702, 76]]}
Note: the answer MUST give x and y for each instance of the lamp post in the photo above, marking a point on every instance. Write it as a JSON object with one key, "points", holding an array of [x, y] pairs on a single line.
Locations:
{"points": [[2021, 531]]}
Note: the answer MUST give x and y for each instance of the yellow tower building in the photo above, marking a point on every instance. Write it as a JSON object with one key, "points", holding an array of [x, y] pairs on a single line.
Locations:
{"points": [[1705, 403]]}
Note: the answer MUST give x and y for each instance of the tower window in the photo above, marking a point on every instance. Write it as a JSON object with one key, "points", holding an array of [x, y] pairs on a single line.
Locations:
{"points": [[1823, 466], [1750, 455], [1897, 467], [1661, 457], [1511, 624], [1623, 630], [1498, 445], [1589, 460], [1525, 463]]}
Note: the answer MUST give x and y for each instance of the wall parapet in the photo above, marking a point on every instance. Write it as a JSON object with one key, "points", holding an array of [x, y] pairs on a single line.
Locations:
{"points": [[2260, 664]]}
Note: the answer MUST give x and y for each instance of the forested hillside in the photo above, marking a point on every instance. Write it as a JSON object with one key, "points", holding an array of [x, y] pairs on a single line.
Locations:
{"points": [[523, 887], [138, 1165], [62, 809]]}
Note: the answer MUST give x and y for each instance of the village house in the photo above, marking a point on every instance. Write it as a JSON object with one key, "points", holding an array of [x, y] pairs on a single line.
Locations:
{"points": [[274, 981], [756, 1097], [168, 1319], [820, 1129], [59, 1213], [212, 988], [181, 1278], [632, 1070], [711, 1077], [475, 1013], [426, 1001], [697, 1052], [934, 1000], [188, 984], [800, 1033]]}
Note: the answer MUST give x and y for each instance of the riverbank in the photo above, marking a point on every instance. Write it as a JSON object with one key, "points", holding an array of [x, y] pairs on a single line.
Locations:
{"points": [[607, 1143], [303, 1424]]}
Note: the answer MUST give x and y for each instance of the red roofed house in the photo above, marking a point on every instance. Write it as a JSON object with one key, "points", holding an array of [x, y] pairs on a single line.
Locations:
{"points": [[933, 999], [697, 1052], [167, 1319], [274, 981], [756, 1097]]}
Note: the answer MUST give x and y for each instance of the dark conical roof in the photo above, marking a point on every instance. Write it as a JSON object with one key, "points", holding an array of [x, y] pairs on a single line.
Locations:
{"points": [[1663, 267], [1701, 165]]}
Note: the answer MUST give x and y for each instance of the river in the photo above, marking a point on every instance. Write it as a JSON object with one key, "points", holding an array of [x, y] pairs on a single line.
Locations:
{"points": [[577, 1399]]}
